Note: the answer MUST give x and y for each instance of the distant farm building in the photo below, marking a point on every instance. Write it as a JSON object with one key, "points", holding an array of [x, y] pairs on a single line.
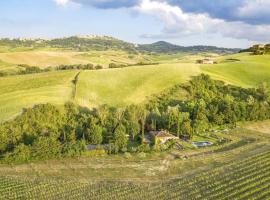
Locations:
{"points": [[205, 61], [161, 137]]}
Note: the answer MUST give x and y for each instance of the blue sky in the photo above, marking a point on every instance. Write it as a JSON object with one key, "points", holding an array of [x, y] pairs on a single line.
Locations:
{"points": [[228, 23]]}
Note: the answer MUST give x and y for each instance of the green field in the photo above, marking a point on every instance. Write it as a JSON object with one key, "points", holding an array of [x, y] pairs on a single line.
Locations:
{"points": [[119, 87], [17, 92], [116, 87], [249, 71], [51, 57]]}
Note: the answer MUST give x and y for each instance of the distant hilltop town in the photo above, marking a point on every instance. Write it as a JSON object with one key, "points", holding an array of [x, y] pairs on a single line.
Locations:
{"points": [[78, 36], [259, 49]]}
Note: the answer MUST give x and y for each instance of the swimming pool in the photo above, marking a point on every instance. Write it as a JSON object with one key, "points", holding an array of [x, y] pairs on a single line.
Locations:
{"points": [[202, 144]]}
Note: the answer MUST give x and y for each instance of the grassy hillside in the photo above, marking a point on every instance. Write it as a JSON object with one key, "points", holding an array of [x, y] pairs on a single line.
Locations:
{"points": [[54, 58], [241, 69], [17, 92], [119, 87]]}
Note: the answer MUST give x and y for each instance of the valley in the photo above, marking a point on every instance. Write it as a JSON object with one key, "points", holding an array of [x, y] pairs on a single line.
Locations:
{"points": [[76, 121]]}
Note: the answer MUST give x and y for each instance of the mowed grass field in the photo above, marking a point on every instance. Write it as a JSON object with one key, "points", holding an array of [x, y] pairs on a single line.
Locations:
{"points": [[120, 87], [249, 71], [17, 92]]}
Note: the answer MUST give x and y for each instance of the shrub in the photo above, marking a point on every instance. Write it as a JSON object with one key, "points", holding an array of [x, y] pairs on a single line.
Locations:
{"points": [[99, 67]]}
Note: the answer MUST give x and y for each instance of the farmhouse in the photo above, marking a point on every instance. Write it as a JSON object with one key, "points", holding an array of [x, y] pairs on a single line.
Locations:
{"points": [[205, 61], [161, 137]]}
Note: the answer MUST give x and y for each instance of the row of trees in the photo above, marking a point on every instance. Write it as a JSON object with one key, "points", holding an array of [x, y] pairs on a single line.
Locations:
{"points": [[46, 131], [26, 69]]}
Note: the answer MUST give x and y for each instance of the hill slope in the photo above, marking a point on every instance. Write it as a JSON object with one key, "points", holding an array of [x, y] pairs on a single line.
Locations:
{"points": [[241, 69], [123, 86], [17, 92], [119, 87]]}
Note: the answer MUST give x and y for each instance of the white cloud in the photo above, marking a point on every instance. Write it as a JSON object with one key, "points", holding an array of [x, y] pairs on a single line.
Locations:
{"points": [[62, 2], [178, 23], [254, 8]]}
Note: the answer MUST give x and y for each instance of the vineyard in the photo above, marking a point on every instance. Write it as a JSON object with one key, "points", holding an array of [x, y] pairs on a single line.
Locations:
{"points": [[245, 179]]}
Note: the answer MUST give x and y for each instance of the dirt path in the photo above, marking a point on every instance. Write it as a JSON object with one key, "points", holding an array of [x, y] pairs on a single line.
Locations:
{"points": [[74, 82]]}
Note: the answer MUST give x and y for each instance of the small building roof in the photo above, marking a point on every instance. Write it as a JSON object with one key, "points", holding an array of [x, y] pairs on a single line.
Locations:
{"points": [[161, 134]]}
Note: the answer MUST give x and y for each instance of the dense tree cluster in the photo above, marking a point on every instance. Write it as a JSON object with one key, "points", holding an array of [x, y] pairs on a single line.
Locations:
{"points": [[210, 103], [47, 131]]}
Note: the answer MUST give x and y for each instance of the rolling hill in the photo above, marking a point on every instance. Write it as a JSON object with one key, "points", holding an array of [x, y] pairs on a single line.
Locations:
{"points": [[241, 69], [115, 87], [120, 87], [103, 43], [17, 92]]}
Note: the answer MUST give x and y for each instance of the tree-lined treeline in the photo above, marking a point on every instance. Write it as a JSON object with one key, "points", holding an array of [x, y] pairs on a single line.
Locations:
{"points": [[26, 69], [203, 104]]}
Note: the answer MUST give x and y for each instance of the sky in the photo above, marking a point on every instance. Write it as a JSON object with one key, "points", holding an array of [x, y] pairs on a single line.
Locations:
{"points": [[224, 23]]}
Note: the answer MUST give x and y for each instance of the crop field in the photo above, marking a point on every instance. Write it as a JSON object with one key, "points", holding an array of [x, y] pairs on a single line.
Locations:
{"points": [[119, 87], [235, 171], [17, 92]]}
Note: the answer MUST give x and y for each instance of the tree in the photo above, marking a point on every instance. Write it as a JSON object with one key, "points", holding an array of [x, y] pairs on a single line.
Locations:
{"points": [[21, 153], [120, 138], [99, 67], [187, 129], [133, 129], [131, 121], [263, 91], [95, 134], [142, 117]]}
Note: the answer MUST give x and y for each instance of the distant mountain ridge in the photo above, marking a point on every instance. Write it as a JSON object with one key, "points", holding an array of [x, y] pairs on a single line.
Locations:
{"points": [[164, 47], [96, 42]]}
